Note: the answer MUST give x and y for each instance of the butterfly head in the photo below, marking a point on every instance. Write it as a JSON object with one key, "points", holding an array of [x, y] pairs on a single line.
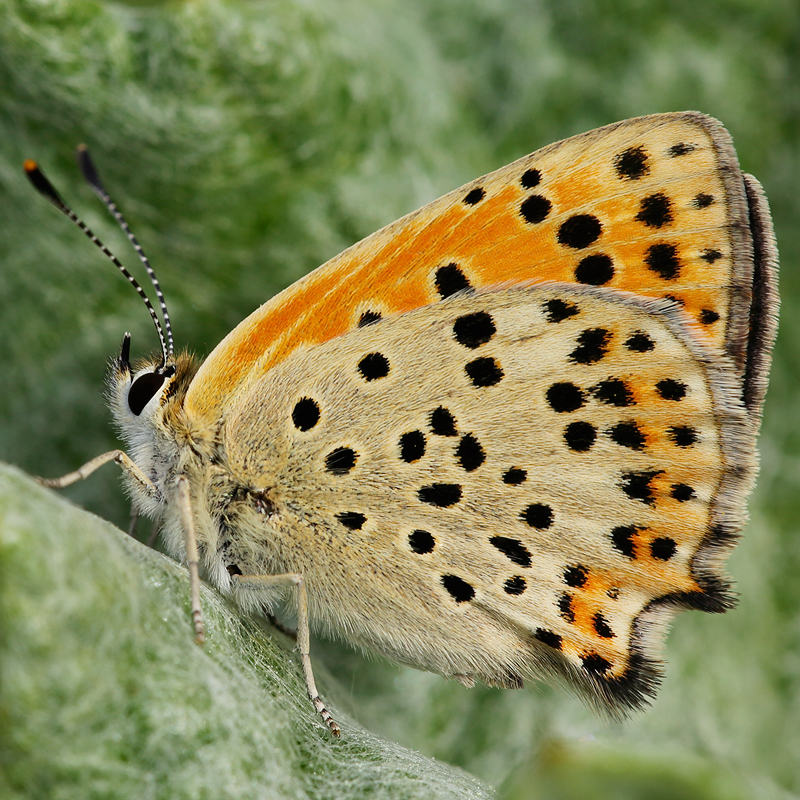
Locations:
{"points": [[145, 399], [141, 387], [139, 394]]}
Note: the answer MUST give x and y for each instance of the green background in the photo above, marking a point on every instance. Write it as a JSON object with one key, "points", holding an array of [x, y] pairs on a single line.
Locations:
{"points": [[248, 142]]}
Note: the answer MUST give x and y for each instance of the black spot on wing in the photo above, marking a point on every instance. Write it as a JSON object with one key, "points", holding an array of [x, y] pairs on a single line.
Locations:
{"points": [[459, 589], [681, 149], [341, 460], [683, 435], [565, 607], [412, 446], [592, 346], [450, 279], [595, 270], [670, 389], [682, 492], [655, 211], [710, 255], [530, 178], [305, 414], [442, 495], [469, 453], [628, 434], [473, 330], [579, 231], [548, 637], [558, 310], [639, 343], [474, 196], [373, 366], [538, 515], [662, 259], [708, 316], [515, 585], [565, 397], [576, 576], [580, 436], [663, 548], [534, 209], [601, 626], [421, 542], [368, 318], [595, 664], [622, 539], [484, 372], [632, 164], [513, 549], [613, 392], [443, 423], [703, 200], [638, 485], [352, 519], [515, 476]]}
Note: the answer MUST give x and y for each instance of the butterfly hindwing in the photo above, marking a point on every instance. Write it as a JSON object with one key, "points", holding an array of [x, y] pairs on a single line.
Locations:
{"points": [[516, 480]]}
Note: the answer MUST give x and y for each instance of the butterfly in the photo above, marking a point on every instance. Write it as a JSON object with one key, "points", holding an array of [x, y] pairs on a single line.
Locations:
{"points": [[505, 437]]}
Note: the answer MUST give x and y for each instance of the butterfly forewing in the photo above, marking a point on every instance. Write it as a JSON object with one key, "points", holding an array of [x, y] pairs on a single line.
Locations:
{"points": [[511, 478], [654, 205]]}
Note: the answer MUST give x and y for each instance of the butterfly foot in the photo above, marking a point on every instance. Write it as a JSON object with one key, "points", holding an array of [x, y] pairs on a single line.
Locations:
{"points": [[326, 716], [200, 636]]}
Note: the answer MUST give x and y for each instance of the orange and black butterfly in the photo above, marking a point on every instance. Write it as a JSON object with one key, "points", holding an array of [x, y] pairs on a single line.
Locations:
{"points": [[506, 436]]}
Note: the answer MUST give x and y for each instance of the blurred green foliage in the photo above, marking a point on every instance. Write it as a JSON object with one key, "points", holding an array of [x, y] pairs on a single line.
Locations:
{"points": [[248, 142]]}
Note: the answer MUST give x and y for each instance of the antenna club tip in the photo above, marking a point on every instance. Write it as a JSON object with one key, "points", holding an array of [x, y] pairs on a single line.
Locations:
{"points": [[29, 165], [89, 171]]}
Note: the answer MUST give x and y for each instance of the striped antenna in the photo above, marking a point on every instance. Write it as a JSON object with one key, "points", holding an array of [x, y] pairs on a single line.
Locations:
{"points": [[93, 179], [47, 190]]}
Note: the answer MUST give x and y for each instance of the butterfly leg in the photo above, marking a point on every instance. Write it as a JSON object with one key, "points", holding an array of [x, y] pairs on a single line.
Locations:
{"points": [[118, 457], [279, 626], [133, 523], [295, 580], [192, 556]]}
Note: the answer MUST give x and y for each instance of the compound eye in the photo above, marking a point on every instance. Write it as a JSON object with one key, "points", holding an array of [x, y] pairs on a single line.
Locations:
{"points": [[143, 390]]}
